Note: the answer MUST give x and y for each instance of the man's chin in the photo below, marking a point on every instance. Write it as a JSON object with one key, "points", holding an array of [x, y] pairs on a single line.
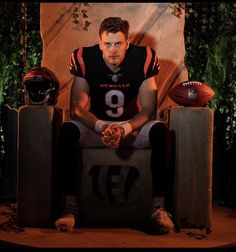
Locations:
{"points": [[114, 64]]}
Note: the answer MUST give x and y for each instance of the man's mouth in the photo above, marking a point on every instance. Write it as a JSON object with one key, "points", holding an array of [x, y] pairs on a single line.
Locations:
{"points": [[114, 56]]}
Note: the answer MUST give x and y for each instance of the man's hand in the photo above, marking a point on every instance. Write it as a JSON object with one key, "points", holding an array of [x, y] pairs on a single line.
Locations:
{"points": [[111, 135]]}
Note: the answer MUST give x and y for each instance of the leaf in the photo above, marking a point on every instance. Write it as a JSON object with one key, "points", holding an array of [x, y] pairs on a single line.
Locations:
{"points": [[75, 15], [84, 15], [75, 21], [87, 23]]}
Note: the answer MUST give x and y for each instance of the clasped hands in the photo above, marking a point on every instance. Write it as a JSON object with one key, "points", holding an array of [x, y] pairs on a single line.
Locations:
{"points": [[111, 135]]}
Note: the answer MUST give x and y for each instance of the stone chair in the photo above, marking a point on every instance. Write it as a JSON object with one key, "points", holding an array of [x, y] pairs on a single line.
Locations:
{"points": [[105, 198]]}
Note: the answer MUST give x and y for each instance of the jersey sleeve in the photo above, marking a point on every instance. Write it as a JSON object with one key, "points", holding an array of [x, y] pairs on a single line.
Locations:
{"points": [[76, 64], [151, 66]]}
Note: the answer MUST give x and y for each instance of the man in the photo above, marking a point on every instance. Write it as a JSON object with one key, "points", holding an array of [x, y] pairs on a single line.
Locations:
{"points": [[113, 104]]}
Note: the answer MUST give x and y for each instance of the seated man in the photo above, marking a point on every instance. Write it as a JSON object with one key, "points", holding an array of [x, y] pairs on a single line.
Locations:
{"points": [[110, 77]]}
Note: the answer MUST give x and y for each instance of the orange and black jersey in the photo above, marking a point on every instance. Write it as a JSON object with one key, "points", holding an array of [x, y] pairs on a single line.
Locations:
{"points": [[114, 95]]}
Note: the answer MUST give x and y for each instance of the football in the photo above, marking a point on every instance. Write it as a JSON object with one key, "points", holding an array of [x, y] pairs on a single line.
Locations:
{"points": [[191, 93]]}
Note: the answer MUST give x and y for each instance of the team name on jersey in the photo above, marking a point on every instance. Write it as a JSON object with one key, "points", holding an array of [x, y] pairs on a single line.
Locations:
{"points": [[112, 85]]}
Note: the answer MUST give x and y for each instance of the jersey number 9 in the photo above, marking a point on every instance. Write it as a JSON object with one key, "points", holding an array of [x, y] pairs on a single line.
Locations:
{"points": [[115, 100]]}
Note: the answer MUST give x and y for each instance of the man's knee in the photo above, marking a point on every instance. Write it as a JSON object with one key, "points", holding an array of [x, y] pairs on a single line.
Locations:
{"points": [[159, 132], [69, 132]]}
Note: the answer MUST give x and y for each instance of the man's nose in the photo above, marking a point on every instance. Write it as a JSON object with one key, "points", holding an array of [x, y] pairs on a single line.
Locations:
{"points": [[114, 48]]}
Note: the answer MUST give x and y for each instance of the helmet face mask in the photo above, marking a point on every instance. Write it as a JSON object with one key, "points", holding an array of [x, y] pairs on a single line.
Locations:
{"points": [[40, 86]]}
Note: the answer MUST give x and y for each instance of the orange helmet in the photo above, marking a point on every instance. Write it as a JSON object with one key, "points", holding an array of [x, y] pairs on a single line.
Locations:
{"points": [[40, 86]]}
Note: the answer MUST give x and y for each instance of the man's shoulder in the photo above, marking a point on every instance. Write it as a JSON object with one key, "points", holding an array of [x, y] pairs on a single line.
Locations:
{"points": [[91, 48]]}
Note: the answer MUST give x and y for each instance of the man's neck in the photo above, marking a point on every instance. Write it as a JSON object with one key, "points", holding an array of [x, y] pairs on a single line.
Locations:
{"points": [[112, 67]]}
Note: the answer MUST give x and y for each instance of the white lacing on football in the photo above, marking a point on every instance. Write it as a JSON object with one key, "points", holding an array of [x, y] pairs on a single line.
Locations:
{"points": [[192, 83]]}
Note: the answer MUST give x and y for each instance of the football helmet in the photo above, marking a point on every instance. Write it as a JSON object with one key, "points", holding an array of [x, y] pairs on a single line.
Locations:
{"points": [[40, 86]]}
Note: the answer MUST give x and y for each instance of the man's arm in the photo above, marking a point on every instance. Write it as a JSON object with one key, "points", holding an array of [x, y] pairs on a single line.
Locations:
{"points": [[148, 100], [79, 102]]}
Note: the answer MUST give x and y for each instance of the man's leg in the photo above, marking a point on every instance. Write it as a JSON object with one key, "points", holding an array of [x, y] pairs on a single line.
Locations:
{"points": [[67, 172], [159, 138]]}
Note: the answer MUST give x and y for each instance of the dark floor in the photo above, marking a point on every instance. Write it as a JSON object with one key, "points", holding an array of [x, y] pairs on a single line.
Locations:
{"points": [[223, 235]]}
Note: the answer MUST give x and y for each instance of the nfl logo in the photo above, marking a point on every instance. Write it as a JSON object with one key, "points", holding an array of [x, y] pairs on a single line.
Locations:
{"points": [[192, 94], [114, 78]]}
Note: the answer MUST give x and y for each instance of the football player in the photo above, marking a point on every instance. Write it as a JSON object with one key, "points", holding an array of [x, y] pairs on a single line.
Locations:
{"points": [[114, 104]]}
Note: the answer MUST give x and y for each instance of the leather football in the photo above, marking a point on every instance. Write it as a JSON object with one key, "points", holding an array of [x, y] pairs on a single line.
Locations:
{"points": [[191, 93]]}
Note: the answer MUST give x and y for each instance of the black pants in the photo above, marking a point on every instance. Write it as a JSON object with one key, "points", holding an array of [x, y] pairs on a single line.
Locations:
{"points": [[67, 159]]}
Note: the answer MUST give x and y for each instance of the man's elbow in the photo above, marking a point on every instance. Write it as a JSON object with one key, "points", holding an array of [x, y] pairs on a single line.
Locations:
{"points": [[76, 112], [151, 113]]}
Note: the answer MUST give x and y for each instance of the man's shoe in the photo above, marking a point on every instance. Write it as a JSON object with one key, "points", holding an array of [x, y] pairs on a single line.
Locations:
{"points": [[161, 221], [67, 220], [65, 223]]}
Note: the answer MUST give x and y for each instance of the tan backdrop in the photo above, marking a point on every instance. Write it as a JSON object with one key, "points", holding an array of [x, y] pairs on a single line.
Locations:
{"points": [[151, 24]]}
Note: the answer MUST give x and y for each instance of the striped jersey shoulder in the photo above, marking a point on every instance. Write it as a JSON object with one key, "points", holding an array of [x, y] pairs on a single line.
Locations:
{"points": [[151, 62], [78, 58], [76, 64]]}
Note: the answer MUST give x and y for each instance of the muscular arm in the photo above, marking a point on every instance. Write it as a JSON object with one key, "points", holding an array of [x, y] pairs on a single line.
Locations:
{"points": [[79, 103], [148, 99]]}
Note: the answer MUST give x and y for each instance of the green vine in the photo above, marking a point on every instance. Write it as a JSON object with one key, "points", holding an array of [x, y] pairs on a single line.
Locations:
{"points": [[210, 57]]}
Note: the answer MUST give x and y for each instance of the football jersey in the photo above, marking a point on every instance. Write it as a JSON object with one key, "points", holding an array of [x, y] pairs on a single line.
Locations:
{"points": [[113, 96]]}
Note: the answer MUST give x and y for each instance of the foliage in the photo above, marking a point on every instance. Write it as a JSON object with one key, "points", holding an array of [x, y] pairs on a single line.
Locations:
{"points": [[11, 53], [210, 56]]}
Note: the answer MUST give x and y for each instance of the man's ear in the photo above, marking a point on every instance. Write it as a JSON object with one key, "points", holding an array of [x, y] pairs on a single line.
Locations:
{"points": [[100, 44], [127, 44]]}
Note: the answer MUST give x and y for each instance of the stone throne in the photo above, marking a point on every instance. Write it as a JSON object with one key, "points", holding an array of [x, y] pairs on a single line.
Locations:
{"points": [[151, 24]]}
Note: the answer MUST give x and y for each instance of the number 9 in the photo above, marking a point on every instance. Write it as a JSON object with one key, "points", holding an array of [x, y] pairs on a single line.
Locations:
{"points": [[115, 99]]}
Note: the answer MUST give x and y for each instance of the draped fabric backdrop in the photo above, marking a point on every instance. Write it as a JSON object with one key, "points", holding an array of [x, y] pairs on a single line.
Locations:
{"points": [[151, 24]]}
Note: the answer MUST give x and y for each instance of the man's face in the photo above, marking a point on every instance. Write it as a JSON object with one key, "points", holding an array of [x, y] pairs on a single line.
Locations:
{"points": [[113, 46]]}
